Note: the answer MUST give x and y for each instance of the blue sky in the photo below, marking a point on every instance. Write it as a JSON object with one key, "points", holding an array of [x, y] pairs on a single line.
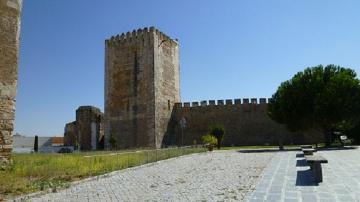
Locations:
{"points": [[228, 49]]}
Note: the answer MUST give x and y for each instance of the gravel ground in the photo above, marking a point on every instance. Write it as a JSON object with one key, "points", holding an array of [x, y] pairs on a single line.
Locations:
{"points": [[211, 176]]}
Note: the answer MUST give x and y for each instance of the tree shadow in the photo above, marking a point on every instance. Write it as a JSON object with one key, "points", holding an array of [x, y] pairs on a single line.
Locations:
{"points": [[337, 148], [265, 150], [305, 178]]}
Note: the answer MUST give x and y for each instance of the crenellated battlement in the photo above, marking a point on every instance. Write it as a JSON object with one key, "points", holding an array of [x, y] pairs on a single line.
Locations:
{"points": [[228, 102], [136, 35]]}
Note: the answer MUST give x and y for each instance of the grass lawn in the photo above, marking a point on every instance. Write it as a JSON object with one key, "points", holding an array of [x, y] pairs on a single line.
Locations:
{"points": [[35, 172]]}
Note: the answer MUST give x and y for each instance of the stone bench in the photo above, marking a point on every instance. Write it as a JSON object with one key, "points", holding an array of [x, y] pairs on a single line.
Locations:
{"points": [[315, 162], [308, 151]]}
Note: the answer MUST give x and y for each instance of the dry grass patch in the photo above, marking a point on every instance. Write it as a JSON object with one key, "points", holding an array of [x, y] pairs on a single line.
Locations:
{"points": [[35, 172]]}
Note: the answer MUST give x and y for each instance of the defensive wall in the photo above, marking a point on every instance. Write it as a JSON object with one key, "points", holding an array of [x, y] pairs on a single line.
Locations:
{"points": [[142, 106], [10, 11], [245, 122]]}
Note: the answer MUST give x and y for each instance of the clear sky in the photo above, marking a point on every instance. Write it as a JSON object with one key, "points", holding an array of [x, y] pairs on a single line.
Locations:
{"points": [[228, 49]]}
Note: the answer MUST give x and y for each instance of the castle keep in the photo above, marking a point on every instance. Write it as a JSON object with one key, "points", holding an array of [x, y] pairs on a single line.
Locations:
{"points": [[141, 87], [143, 109], [9, 43]]}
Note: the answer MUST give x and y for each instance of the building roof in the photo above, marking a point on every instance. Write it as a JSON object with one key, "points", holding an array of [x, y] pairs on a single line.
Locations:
{"points": [[57, 140]]}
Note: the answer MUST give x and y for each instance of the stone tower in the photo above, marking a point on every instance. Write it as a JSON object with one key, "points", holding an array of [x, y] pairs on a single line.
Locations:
{"points": [[141, 87], [10, 11]]}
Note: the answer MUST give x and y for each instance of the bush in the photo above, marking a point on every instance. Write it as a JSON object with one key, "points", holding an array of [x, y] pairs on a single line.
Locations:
{"points": [[218, 132], [209, 139], [113, 142]]}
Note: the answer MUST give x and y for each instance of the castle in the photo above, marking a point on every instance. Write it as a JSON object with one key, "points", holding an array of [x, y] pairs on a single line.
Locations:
{"points": [[143, 109], [10, 11]]}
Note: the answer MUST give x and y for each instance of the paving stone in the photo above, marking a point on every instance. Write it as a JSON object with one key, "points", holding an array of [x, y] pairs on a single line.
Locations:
{"points": [[341, 181], [211, 176], [341, 197], [291, 200], [273, 197]]}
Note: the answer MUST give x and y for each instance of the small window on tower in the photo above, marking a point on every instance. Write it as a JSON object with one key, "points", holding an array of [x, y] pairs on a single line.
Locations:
{"points": [[168, 104]]}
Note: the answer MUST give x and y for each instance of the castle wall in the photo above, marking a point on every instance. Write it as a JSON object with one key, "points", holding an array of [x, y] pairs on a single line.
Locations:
{"points": [[167, 90], [88, 125], [138, 87], [10, 11], [245, 123], [70, 134]]}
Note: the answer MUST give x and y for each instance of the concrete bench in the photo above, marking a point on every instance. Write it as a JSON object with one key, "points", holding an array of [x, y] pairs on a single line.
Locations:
{"points": [[308, 151], [315, 162]]}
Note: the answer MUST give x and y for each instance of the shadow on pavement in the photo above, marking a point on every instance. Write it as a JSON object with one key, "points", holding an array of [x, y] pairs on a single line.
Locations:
{"points": [[301, 163], [299, 155], [305, 178], [265, 150], [337, 148]]}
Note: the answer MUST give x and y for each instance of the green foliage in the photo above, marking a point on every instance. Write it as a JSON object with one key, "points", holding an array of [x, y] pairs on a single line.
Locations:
{"points": [[113, 142], [322, 98], [209, 139], [40, 171], [218, 132], [36, 144]]}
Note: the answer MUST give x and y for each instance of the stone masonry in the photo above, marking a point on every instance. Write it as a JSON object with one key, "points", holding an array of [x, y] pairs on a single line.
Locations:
{"points": [[70, 134], [245, 123], [141, 87], [142, 107], [87, 130], [10, 11]]}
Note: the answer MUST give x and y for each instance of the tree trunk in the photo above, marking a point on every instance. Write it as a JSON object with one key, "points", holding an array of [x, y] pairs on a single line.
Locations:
{"points": [[328, 138], [219, 143], [281, 143], [36, 144]]}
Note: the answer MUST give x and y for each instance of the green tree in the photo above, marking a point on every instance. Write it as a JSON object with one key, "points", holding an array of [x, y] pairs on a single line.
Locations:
{"points": [[36, 144], [113, 142], [218, 132], [321, 98]]}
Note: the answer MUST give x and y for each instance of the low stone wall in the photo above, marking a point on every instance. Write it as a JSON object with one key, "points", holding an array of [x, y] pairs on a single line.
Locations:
{"points": [[245, 123], [9, 42]]}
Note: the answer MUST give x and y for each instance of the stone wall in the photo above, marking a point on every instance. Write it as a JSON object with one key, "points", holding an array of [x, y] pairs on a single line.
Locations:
{"points": [[141, 87], [70, 134], [245, 124], [87, 130], [167, 90], [10, 11]]}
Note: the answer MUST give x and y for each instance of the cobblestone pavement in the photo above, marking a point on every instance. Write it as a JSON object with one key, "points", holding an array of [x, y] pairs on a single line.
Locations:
{"points": [[211, 176], [287, 178]]}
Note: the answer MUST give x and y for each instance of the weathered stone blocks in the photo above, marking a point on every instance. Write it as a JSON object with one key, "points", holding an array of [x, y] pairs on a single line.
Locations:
{"points": [[244, 124], [87, 131], [9, 43], [141, 87]]}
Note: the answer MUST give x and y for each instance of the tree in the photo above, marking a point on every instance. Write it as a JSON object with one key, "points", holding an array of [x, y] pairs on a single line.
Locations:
{"points": [[36, 144], [321, 98], [113, 142], [218, 132]]}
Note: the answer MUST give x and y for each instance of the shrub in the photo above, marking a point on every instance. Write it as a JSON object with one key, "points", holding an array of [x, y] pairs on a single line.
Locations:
{"points": [[113, 142], [218, 132], [209, 139]]}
